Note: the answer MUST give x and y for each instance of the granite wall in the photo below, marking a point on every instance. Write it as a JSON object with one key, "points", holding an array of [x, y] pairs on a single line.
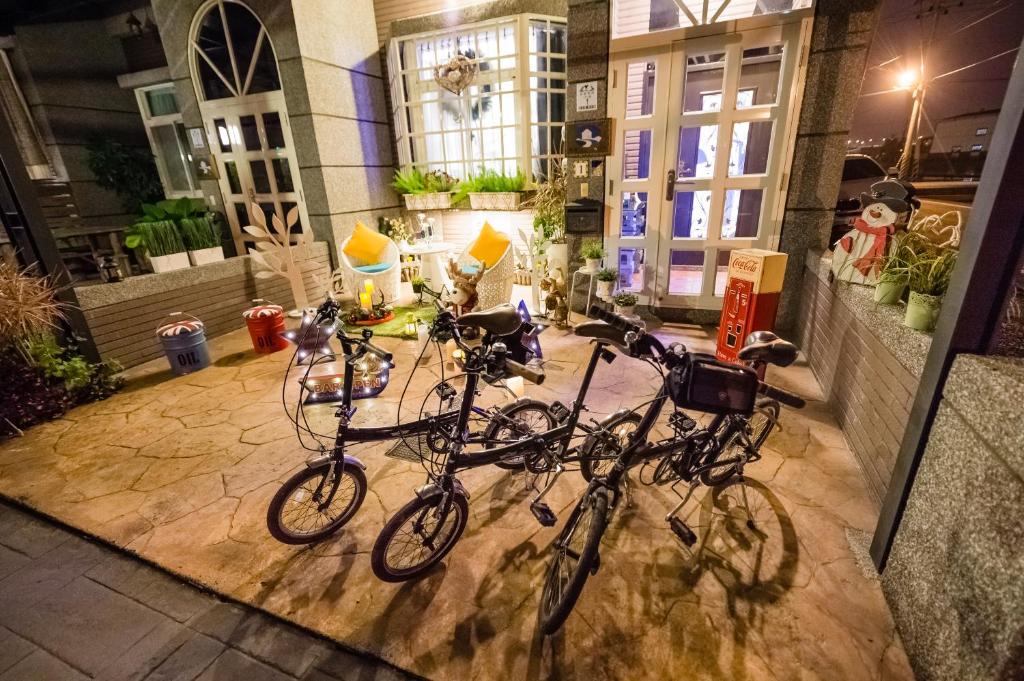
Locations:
{"points": [[835, 69], [955, 577]]}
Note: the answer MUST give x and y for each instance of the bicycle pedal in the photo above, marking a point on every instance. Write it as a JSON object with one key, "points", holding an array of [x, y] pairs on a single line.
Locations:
{"points": [[559, 411], [543, 513], [682, 531]]}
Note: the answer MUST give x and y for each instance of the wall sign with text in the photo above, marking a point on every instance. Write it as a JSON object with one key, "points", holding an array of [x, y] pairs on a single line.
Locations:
{"points": [[586, 96]]}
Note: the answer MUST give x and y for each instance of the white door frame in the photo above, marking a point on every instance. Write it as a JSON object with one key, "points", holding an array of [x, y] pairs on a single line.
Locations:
{"points": [[665, 122]]}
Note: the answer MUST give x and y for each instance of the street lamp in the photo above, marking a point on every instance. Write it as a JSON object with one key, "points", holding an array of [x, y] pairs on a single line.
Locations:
{"points": [[907, 79], [912, 80]]}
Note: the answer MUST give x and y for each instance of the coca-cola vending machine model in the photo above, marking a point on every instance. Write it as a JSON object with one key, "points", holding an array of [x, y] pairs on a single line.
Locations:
{"points": [[751, 298]]}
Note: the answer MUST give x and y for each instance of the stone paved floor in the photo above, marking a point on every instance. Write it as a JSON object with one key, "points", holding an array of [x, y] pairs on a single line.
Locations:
{"points": [[74, 610], [180, 470]]}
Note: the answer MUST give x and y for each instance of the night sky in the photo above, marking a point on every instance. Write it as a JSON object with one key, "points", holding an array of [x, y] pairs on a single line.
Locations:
{"points": [[956, 44]]}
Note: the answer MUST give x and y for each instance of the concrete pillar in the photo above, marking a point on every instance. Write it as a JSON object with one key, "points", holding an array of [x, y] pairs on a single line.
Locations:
{"points": [[835, 69]]}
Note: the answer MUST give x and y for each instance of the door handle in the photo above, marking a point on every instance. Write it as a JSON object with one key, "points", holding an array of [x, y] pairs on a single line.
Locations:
{"points": [[670, 185]]}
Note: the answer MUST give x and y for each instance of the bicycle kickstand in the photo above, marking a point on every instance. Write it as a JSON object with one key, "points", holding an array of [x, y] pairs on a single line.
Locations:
{"points": [[675, 523], [540, 510]]}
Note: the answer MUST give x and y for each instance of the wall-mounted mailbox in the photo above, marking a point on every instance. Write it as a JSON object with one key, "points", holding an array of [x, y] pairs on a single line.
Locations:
{"points": [[584, 216]]}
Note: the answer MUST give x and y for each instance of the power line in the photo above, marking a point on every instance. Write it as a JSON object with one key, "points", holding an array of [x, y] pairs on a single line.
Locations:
{"points": [[982, 61]]}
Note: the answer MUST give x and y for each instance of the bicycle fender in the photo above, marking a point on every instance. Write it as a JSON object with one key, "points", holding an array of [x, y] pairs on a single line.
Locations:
{"points": [[433, 490], [326, 458]]}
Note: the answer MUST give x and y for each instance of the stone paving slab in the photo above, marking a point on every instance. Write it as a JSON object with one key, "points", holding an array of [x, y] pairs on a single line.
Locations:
{"points": [[180, 471], [79, 610]]}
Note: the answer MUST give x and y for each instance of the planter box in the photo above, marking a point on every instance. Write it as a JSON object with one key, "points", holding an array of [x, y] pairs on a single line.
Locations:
{"points": [[206, 255], [436, 201], [168, 263], [494, 200]]}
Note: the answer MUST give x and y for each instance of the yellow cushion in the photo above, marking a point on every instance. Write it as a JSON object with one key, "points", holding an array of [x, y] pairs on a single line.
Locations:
{"points": [[489, 246], [366, 245]]}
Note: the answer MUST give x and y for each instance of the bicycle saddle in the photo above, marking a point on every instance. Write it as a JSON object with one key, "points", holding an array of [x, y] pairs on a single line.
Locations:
{"points": [[602, 331], [500, 320], [765, 346]]}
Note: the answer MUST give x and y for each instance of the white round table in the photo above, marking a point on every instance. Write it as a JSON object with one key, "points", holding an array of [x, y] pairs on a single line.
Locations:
{"points": [[433, 267]]}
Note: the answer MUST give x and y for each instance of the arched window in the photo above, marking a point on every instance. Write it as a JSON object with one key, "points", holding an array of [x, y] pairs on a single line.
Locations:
{"points": [[232, 53]]}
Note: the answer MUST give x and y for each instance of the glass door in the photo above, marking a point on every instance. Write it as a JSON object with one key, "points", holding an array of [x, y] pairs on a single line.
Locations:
{"points": [[255, 155], [717, 176]]}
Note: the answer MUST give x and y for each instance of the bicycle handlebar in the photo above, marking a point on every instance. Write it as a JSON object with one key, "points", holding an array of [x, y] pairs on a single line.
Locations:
{"points": [[528, 373], [783, 396]]}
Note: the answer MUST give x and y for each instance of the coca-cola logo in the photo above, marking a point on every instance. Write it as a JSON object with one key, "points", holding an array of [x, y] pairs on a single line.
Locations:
{"points": [[745, 264]]}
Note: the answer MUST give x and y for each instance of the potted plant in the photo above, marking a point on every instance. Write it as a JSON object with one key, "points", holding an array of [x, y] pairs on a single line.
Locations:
{"points": [[417, 285], [201, 234], [491, 190], [548, 205], [928, 276], [396, 230], [624, 304], [162, 244], [606, 283], [425, 191], [892, 276], [593, 252]]}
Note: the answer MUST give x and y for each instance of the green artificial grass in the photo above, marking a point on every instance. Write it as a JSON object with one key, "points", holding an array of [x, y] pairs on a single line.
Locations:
{"points": [[396, 327]]}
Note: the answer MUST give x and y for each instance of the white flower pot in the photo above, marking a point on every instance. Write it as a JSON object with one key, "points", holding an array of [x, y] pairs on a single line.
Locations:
{"points": [[625, 311], [593, 265], [436, 201], [168, 263], [206, 255], [604, 289], [558, 257], [494, 200]]}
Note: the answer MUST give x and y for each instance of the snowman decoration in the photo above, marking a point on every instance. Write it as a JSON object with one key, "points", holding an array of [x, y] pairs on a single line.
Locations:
{"points": [[858, 255]]}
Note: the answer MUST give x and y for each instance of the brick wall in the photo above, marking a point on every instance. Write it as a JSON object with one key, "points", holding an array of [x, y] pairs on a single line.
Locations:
{"points": [[868, 390]]}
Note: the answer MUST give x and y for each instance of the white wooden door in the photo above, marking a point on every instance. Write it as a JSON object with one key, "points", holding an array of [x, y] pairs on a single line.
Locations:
{"points": [[709, 122], [252, 145]]}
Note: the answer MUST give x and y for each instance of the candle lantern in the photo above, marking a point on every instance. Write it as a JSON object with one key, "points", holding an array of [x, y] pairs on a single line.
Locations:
{"points": [[410, 325], [110, 271]]}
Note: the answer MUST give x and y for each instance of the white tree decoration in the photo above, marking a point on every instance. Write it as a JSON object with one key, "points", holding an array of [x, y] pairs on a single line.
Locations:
{"points": [[275, 255]]}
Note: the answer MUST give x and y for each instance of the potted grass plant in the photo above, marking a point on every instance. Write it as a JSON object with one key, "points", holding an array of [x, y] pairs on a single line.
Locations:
{"points": [[161, 242], [425, 191], [593, 252], [893, 274], [624, 303], [606, 283], [201, 234], [928, 275], [491, 190]]}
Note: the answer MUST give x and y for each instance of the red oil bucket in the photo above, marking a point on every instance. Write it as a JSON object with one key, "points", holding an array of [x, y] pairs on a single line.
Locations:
{"points": [[266, 324]]}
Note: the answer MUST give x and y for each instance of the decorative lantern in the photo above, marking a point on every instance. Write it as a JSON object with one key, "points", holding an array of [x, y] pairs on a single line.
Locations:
{"points": [[110, 271], [184, 343], [410, 326], [266, 326], [326, 382]]}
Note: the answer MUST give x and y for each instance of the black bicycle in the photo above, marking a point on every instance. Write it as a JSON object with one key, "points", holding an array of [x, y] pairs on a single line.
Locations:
{"points": [[711, 455], [326, 494]]}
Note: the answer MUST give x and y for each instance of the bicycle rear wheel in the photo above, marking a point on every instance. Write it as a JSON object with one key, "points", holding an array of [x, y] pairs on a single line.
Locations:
{"points": [[599, 453], [518, 421], [576, 555], [315, 503], [760, 423], [418, 537]]}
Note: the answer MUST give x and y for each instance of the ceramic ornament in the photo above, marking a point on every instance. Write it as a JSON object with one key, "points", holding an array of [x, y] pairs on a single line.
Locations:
{"points": [[858, 255], [275, 254], [456, 74]]}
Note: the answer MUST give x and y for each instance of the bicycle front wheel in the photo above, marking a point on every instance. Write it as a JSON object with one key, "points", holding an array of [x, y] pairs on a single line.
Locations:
{"points": [[418, 537], [518, 421], [760, 425], [575, 559], [315, 503]]}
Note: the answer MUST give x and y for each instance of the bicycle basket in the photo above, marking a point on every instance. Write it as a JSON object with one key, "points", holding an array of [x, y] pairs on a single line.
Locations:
{"points": [[709, 385]]}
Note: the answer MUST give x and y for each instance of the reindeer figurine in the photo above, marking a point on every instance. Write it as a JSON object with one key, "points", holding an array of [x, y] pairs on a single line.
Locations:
{"points": [[554, 288], [463, 298]]}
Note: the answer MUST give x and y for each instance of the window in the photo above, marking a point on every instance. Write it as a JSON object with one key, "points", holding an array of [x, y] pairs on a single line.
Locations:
{"points": [[981, 132], [168, 139], [977, 147], [510, 117], [636, 17], [232, 53]]}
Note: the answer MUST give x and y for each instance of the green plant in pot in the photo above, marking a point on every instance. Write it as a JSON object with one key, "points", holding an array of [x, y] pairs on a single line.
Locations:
{"points": [[928, 276], [417, 285], [892, 276], [492, 190], [197, 231], [606, 283], [201, 235], [624, 303], [425, 191], [162, 243], [593, 252]]}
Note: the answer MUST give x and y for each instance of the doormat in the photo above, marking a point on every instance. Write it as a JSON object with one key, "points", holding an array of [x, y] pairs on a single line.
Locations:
{"points": [[395, 328], [405, 452]]}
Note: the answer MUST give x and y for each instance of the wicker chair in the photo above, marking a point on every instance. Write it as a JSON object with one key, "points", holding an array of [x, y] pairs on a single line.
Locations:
{"points": [[495, 287], [387, 281]]}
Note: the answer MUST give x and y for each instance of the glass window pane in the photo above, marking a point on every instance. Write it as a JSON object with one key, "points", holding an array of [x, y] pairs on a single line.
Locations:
{"points": [[741, 216], [283, 175], [634, 214], [697, 148], [223, 134], [690, 215], [161, 101], [297, 227], [748, 154], [166, 141], [244, 29], [264, 74], [214, 45], [242, 215], [260, 178], [759, 76], [231, 172], [631, 269], [685, 272], [640, 89], [249, 133], [272, 127], [702, 89], [722, 272], [636, 152]]}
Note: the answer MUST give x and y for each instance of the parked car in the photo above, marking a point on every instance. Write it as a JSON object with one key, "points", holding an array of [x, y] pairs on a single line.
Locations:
{"points": [[859, 173]]}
